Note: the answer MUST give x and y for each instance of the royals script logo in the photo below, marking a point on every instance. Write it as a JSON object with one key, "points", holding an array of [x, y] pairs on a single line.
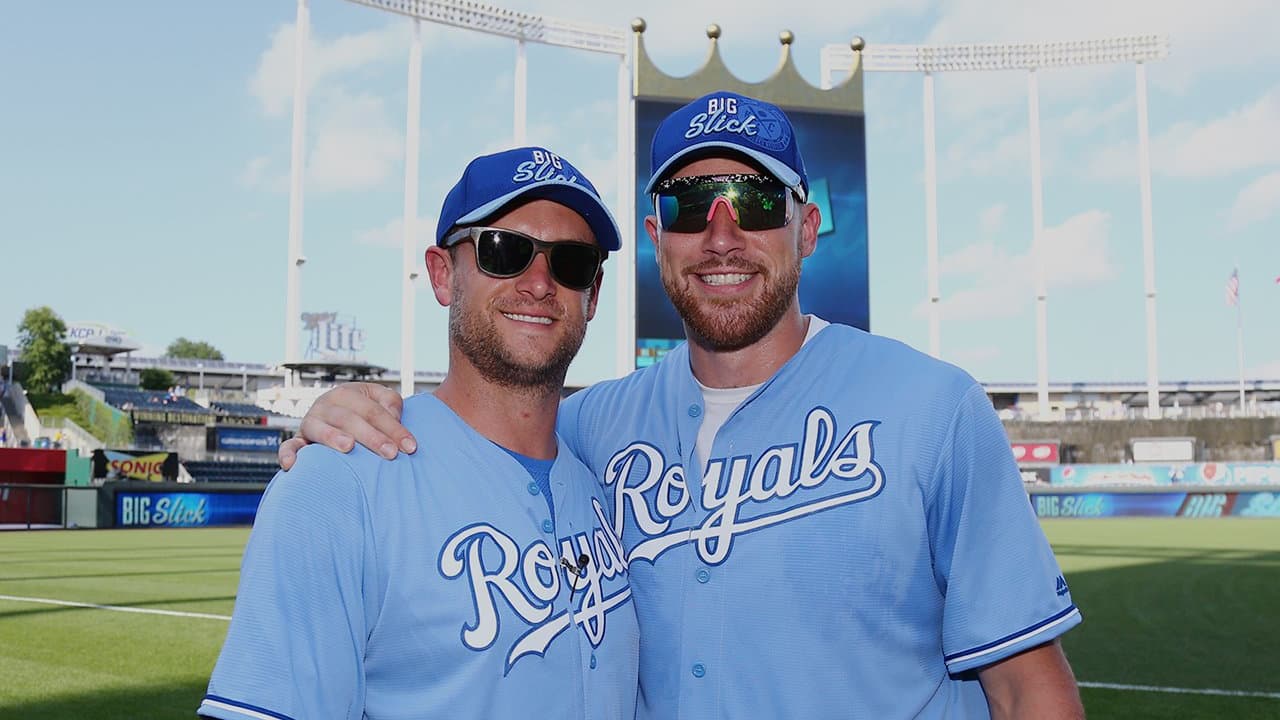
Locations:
{"points": [[654, 492], [527, 581]]}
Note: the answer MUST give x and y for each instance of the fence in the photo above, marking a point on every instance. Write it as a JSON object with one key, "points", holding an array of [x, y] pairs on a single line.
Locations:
{"points": [[38, 507]]}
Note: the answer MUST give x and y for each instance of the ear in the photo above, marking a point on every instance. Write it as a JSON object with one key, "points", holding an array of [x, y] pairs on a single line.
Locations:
{"points": [[810, 221], [651, 227], [440, 270], [594, 296]]}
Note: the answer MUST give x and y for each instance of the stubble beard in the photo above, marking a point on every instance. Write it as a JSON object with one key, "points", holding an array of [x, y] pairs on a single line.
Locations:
{"points": [[476, 336], [727, 325]]}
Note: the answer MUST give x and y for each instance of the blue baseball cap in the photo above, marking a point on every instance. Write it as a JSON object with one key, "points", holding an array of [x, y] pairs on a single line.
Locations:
{"points": [[728, 121], [491, 183]]}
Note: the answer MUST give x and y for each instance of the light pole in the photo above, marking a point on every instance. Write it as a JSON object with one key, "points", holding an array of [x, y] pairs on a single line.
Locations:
{"points": [[838, 60], [297, 166], [523, 28]]}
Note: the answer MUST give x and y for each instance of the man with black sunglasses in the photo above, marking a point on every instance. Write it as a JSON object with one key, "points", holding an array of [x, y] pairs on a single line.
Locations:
{"points": [[479, 577], [819, 522]]}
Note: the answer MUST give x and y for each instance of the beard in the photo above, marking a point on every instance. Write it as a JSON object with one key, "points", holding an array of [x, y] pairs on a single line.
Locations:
{"points": [[476, 336], [727, 325]]}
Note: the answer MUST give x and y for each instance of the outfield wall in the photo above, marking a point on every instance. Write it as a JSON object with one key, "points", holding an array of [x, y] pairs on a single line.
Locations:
{"points": [[1107, 441], [142, 504], [1252, 502]]}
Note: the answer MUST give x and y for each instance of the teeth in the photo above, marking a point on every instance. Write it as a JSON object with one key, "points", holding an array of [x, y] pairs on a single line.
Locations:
{"points": [[528, 318], [725, 278]]}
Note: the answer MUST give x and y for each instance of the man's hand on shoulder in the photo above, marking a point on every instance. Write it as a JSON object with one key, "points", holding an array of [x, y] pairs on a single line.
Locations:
{"points": [[366, 413]]}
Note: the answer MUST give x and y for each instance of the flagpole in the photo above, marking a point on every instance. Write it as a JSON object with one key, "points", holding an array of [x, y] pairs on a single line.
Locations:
{"points": [[1240, 351]]}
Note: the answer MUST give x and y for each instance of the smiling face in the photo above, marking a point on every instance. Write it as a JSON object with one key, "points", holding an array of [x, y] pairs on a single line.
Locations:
{"points": [[732, 286], [519, 332]]}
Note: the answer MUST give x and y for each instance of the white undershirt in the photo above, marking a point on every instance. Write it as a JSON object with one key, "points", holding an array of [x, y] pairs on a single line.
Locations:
{"points": [[719, 403]]}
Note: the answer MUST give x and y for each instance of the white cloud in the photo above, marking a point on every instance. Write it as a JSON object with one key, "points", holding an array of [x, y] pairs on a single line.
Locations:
{"points": [[257, 175], [1076, 255], [991, 220], [273, 80], [1085, 120], [1259, 200], [1244, 138], [356, 147], [984, 156], [391, 234]]}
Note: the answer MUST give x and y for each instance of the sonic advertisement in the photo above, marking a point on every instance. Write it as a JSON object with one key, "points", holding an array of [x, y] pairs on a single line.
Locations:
{"points": [[833, 281]]}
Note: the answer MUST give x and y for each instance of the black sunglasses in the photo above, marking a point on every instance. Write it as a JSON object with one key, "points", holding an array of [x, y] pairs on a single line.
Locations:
{"points": [[502, 253], [757, 202]]}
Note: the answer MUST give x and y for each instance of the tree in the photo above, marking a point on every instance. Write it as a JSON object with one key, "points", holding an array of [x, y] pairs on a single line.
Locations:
{"points": [[193, 350], [156, 379], [45, 353]]}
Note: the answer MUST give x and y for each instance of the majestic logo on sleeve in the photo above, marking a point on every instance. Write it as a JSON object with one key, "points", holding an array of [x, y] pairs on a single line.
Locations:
{"points": [[654, 492], [527, 582]]}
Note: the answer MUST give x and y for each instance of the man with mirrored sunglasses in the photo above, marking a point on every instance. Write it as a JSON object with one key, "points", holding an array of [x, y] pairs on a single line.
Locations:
{"points": [[819, 522], [479, 577]]}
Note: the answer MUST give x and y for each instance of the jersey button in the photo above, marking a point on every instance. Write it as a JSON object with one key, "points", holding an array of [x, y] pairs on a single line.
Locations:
{"points": [[547, 526], [703, 576], [533, 488], [699, 670], [593, 661], [694, 411]]}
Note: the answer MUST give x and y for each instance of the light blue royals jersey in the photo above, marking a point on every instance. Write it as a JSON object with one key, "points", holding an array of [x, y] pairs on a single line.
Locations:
{"points": [[428, 587], [858, 543]]}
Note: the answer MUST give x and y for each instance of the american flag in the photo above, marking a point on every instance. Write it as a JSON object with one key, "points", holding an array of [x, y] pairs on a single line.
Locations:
{"points": [[1233, 288]]}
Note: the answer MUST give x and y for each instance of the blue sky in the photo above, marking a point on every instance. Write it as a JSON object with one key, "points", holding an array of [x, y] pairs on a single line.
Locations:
{"points": [[146, 157]]}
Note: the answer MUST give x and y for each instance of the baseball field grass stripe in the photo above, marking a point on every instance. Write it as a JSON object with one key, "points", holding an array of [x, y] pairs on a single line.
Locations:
{"points": [[1184, 691], [113, 608]]}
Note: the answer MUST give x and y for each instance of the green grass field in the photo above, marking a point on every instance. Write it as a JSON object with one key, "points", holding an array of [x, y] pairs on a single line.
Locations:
{"points": [[1168, 603]]}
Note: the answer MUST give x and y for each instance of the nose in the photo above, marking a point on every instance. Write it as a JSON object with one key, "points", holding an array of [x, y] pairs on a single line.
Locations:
{"points": [[722, 236], [722, 201], [536, 280]]}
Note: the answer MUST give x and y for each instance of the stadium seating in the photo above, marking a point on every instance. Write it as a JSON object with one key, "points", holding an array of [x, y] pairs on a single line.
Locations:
{"points": [[245, 472], [130, 398], [243, 409]]}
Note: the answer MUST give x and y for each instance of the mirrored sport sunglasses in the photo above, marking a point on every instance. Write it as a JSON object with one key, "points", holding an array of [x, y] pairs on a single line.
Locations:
{"points": [[757, 202], [502, 253]]}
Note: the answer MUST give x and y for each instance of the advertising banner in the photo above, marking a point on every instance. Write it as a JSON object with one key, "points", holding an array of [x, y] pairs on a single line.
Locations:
{"points": [[171, 417], [1165, 504], [139, 510], [1034, 476], [1095, 475], [244, 439], [833, 281], [135, 465], [1037, 452], [1220, 474]]}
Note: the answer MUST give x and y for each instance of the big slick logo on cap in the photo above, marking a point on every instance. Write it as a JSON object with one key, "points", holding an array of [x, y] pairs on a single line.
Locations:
{"points": [[544, 166], [760, 125]]}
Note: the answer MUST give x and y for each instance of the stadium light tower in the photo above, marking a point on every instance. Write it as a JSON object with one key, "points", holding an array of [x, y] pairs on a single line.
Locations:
{"points": [[297, 166], [523, 28], [837, 60]]}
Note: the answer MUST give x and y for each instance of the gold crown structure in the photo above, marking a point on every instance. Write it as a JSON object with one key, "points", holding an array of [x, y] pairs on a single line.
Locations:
{"points": [[785, 86]]}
